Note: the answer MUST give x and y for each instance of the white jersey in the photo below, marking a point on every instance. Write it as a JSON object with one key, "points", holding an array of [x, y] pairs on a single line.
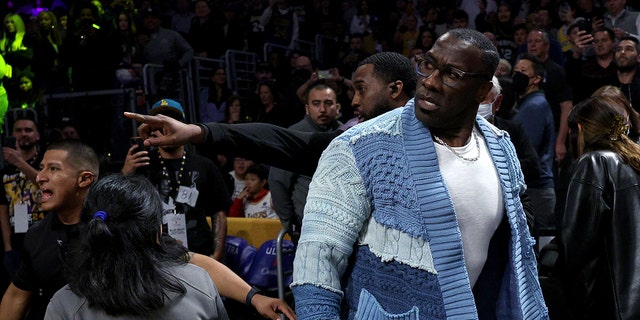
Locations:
{"points": [[260, 208]]}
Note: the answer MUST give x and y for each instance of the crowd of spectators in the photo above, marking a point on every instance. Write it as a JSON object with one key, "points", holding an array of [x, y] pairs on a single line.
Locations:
{"points": [[554, 54], [65, 46]]}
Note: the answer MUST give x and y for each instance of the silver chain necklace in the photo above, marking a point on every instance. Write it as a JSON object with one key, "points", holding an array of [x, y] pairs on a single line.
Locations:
{"points": [[475, 137]]}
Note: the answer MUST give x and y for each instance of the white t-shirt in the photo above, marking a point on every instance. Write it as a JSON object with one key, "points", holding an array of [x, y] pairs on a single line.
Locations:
{"points": [[477, 198]]}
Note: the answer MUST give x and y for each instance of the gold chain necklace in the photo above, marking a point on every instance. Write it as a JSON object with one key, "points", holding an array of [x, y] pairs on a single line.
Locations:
{"points": [[165, 172]]}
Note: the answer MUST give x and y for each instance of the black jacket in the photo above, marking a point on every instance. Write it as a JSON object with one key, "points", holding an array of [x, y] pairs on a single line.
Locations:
{"points": [[287, 149], [600, 238], [527, 155], [529, 162]]}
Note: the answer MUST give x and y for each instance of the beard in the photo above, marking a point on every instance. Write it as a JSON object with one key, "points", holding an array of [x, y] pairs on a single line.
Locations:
{"points": [[627, 68], [27, 145], [380, 107]]}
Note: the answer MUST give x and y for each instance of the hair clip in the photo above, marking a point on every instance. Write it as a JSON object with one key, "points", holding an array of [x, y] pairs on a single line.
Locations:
{"points": [[100, 215], [620, 127]]}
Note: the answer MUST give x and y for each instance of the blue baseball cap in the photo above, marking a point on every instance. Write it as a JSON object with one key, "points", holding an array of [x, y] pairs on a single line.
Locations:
{"points": [[168, 107]]}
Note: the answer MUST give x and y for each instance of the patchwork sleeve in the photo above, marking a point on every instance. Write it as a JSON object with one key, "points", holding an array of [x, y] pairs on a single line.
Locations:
{"points": [[336, 209]]}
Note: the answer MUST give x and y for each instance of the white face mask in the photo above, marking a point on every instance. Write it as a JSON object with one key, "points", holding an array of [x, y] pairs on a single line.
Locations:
{"points": [[485, 110]]}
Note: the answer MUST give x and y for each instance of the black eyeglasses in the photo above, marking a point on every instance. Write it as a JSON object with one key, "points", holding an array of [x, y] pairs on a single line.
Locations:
{"points": [[449, 75]]}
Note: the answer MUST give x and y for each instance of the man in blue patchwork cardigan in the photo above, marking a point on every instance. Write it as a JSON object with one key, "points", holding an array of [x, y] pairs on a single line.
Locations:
{"points": [[416, 214]]}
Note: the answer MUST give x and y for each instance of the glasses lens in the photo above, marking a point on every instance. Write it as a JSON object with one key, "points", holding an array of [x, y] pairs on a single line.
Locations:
{"points": [[423, 68], [448, 76]]}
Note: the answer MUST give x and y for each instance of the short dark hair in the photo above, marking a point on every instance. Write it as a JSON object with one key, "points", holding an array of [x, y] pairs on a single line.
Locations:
{"points": [[538, 65], [25, 119], [520, 26], [22, 114], [505, 4], [460, 15], [87, 5], [259, 170], [630, 38], [318, 86], [79, 155], [490, 57], [609, 31], [392, 66]]}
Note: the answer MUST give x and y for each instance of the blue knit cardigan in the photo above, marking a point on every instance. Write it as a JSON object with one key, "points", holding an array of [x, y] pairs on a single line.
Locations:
{"points": [[380, 239]]}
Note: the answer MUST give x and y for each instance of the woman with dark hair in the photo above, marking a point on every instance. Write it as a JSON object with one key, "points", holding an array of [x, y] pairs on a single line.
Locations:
{"points": [[363, 19], [125, 267], [426, 39], [125, 50], [213, 98], [272, 109], [235, 111], [28, 95], [600, 234]]}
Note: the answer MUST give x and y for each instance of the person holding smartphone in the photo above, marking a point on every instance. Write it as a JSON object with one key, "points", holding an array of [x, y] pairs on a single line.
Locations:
{"points": [[19, 205], [191, 186], [623, 22]]}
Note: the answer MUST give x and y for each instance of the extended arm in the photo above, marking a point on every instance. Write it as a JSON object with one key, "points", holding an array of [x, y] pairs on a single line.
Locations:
{"points": [[291, 150], [232, 286], [287, 149], [15, 303]]}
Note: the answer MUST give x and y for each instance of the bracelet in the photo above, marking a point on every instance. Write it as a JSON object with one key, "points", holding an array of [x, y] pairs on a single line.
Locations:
{"points": [[250, 295]]}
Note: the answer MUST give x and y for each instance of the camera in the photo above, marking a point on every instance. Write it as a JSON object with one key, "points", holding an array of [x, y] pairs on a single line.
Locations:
{"points": [[137, 141], [324, 74]]}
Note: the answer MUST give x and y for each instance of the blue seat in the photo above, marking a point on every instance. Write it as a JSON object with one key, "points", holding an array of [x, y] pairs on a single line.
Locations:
{"points": [[239, 255], [263, 272]]}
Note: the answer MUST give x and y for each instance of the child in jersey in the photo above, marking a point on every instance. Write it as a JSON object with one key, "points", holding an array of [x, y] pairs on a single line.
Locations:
{"points": [[255, 199]]}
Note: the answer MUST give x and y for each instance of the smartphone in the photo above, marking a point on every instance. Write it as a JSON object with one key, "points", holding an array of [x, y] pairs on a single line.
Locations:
{"points": [[324, 74], [585, 25], [9, 142], [137, 141]]}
